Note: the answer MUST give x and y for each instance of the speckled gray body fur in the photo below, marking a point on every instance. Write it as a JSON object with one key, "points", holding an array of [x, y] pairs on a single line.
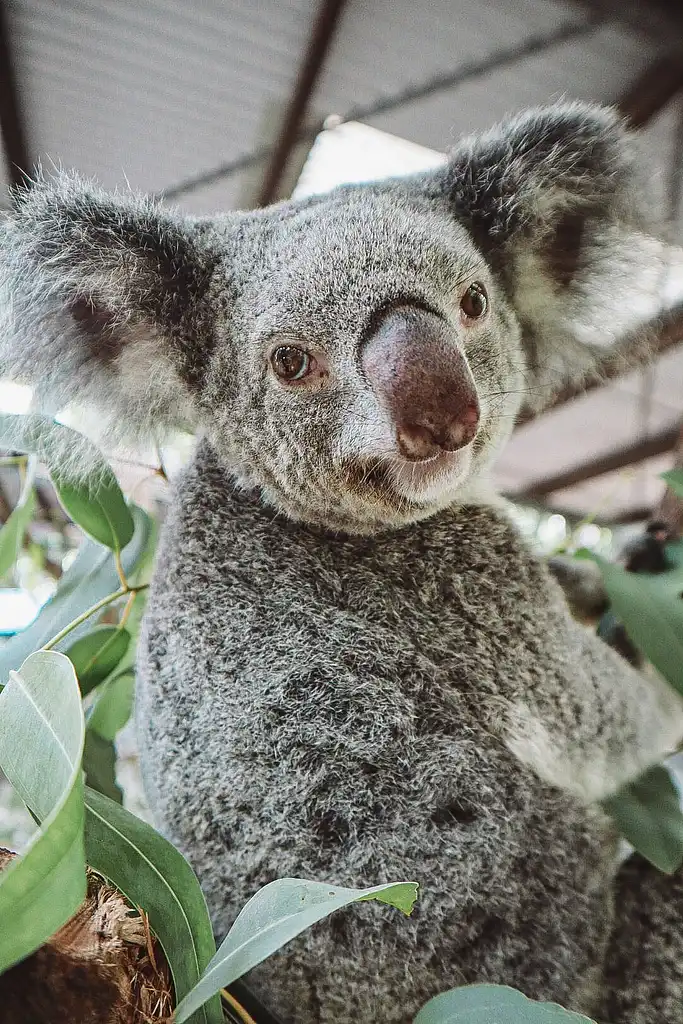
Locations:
{"points": [[352, 667]]}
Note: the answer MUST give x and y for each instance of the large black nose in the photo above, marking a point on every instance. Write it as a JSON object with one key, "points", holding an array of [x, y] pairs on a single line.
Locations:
{"points": [[422, 379]]}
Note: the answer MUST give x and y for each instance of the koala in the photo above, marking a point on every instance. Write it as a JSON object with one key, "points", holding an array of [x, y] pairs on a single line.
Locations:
{"points": [[352, 667]]}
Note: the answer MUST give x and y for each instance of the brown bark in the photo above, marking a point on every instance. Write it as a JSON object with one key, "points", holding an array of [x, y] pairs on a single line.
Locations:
{"points": [[102, 967]]}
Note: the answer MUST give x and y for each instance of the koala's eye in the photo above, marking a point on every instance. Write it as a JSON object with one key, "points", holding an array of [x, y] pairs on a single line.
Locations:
{"points": [[291, 363], [474, 302]]}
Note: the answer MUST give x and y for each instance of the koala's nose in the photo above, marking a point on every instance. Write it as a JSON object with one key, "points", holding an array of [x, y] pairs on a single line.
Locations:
{"points": [[422, 379]]}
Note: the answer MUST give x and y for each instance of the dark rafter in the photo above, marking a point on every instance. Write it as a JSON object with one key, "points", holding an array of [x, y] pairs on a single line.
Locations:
{"points": [[612, 462], [653, 339], [322, 34], [11, 123]]}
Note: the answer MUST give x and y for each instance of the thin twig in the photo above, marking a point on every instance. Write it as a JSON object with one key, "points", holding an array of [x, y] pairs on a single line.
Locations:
{"points": [[127, 610], [120, 570], [243, 1014], [92, 611]]}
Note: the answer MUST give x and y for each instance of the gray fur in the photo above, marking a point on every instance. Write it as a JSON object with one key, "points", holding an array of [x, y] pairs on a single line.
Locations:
{"points": [[339, 678]]}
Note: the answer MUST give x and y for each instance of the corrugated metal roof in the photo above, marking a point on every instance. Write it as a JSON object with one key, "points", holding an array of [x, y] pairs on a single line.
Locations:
{"points": [[155, 91], [385, 46], [599, 66]]}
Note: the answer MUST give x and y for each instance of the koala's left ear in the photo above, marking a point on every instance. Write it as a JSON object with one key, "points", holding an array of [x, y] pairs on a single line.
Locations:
{"points": [[557, 201], [103, 301]]}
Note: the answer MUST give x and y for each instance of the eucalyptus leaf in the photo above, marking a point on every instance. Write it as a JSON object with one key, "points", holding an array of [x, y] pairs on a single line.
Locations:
{"points": [[113, 706], [91, 577], [98, 507], [674, 480], [96, 655], [648, 814], [93, 497], [486, 1004], [99, 765], [274, 916], [152, 874], [41, 746], [12, 533], [651, 609]]}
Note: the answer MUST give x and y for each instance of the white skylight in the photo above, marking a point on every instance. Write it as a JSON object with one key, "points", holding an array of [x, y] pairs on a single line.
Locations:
{"points": [[354, 152]]}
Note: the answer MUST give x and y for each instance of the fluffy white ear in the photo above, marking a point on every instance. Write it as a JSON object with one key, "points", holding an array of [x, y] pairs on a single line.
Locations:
{"points": [[557, 201], [103, 300]]}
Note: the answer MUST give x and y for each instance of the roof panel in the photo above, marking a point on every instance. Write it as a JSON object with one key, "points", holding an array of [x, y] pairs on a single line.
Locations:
{"points": [[167, 89], [597, 67], [383, 47]]}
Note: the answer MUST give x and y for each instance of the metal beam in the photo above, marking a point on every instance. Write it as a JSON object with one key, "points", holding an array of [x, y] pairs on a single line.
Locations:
{"points": [[322, 34], [650, 447], [637, 350], [11, 122]]}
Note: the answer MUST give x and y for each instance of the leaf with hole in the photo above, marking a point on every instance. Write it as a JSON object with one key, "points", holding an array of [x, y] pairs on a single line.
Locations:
{"points": [[41, 746], [486, 1004], [152, 874], [647, 812], [93, 499], [276, 915], [91, 577], [96, 655]]}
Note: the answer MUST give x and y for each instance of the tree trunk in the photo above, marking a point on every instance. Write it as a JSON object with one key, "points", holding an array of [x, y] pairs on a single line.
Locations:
{"points": [[102, 967]]}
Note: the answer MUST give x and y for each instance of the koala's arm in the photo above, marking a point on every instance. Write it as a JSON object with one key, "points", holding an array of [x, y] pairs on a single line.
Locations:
{"points": [[603, 725]]}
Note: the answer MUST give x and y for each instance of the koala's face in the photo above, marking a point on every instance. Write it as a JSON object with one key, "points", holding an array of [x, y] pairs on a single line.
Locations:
{"points": [[359, 357], [368, 363]]}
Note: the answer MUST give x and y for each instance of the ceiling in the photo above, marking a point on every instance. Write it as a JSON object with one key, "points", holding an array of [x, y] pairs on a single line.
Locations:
{"points": [[198, 102]]}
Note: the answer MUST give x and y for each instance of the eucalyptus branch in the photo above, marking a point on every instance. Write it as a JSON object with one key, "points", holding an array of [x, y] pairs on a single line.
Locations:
{"points": [[103, 603], [121, 572]]}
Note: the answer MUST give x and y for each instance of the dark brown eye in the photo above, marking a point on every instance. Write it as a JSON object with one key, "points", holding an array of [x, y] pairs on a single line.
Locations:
{"points": [[291, 363], [474, 302]]}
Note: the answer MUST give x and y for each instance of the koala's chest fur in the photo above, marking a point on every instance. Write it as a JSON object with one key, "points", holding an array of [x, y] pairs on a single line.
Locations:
{"points": [[329, 707]]}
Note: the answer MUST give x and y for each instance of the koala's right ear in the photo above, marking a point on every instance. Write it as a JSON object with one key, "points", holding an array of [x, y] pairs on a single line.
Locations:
{"points": [[557, 202], [103, 302]]}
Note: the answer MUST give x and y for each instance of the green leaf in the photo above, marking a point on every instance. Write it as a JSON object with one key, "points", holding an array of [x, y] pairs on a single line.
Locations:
{"points": [[651, 609], [94, 501], [98, 507], [99, 765], [113, 706], [91, 577], [648, 814], [674, 480], [96, 655], [41, 746], [274, 916], [153, 874], [492, 1004], [12, 533]]}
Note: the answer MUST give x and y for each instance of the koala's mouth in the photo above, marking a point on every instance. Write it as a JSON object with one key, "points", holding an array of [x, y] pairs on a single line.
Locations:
{"points": [[423, 482], [430, 479]]}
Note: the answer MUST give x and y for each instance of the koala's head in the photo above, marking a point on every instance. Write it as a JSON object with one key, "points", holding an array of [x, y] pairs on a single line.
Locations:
{"points": [[360, 356]]}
